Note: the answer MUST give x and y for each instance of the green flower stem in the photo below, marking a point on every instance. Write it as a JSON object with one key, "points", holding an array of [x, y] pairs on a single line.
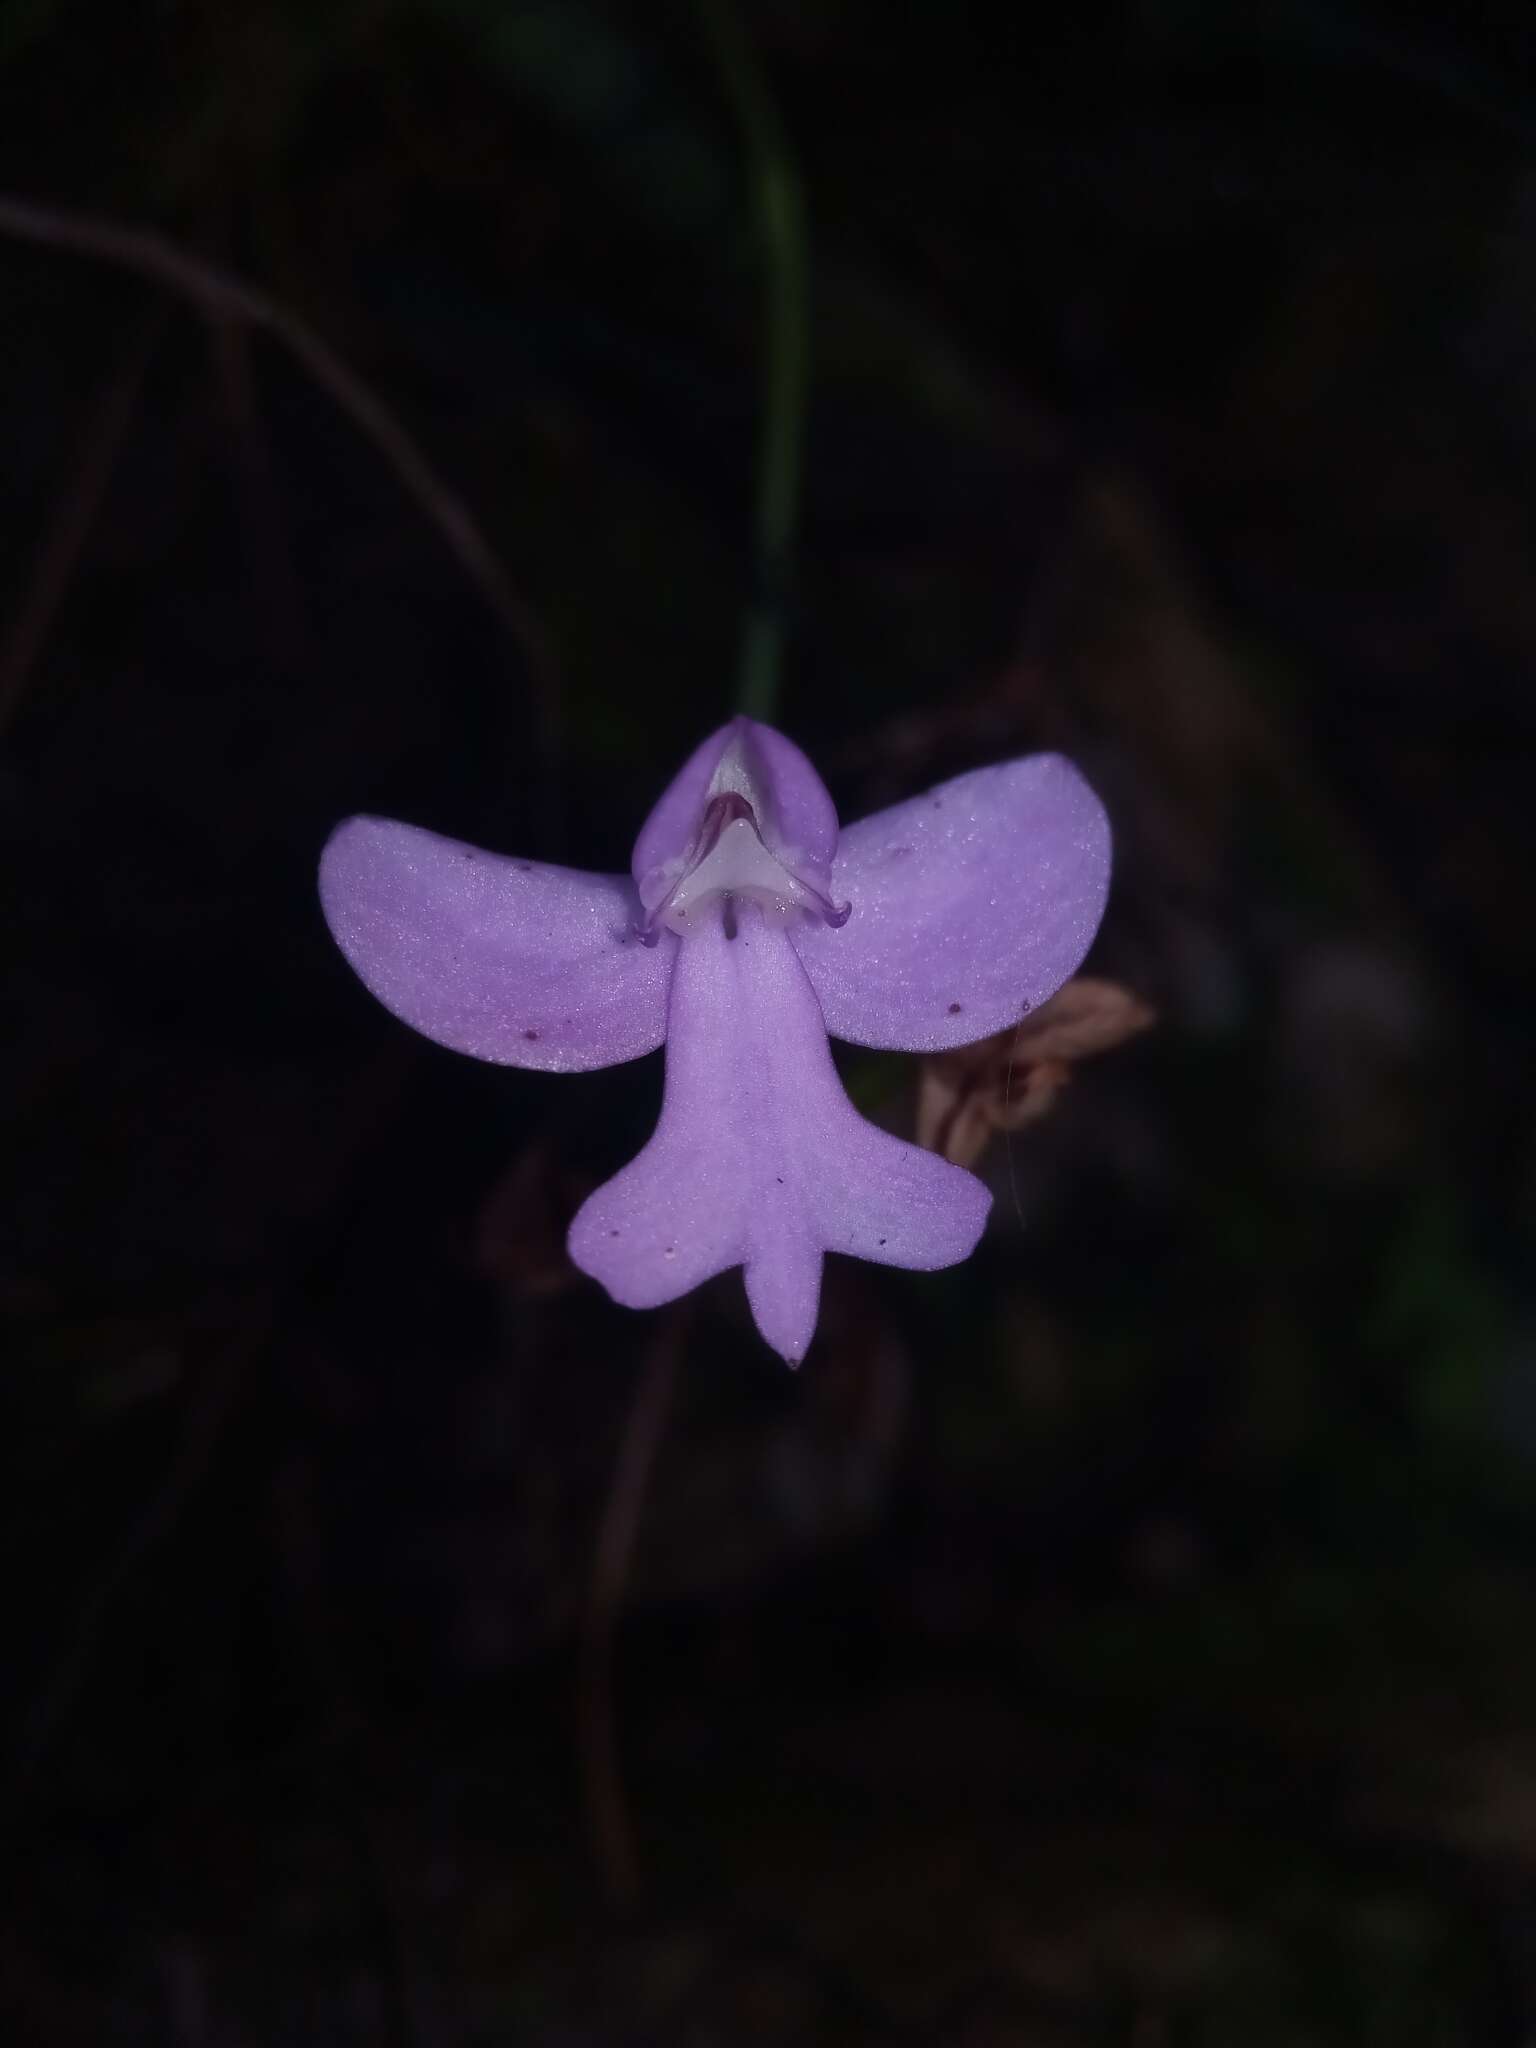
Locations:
{"points": [[779, 211]]}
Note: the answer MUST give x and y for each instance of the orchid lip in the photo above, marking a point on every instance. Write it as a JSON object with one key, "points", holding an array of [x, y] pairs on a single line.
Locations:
{"points": [[730, 860]]}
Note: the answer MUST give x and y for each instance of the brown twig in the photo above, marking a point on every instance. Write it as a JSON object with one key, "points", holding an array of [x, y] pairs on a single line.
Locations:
{"points": [[74, 513], [217, 1388], [214, 1399], [280, 606], [406, 1979], [220, 297], [613, 1839]]}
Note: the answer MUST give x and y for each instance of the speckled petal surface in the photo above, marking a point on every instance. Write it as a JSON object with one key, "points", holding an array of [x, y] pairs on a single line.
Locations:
{"points": [[971, 905], [791, 800], [510, 960], [759, 1158]]}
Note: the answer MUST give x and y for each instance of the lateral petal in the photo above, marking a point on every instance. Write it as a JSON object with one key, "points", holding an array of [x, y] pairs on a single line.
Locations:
{"points": [[971, 905], [510, 960]]}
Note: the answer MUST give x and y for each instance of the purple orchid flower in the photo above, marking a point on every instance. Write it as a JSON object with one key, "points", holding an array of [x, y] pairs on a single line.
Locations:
{"points": [[750, 930]]}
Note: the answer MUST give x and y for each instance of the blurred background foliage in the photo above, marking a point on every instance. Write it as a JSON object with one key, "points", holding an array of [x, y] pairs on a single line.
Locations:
{"points": [[1124, 1638]]}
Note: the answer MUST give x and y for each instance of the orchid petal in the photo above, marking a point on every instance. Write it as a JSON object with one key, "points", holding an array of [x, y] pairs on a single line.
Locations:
{"points": [[971, 905], [759, 1159], [511, 960]]}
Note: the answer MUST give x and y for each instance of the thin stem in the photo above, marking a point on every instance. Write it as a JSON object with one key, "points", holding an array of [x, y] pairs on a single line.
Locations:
{"points": [[613, 1837], [74, 514], [213, 1399], [779, 208], [219, 296]]}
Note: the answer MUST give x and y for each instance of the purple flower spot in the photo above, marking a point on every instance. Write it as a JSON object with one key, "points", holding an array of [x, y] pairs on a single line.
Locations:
{"points": [[954, 1009], [531, 1036]]}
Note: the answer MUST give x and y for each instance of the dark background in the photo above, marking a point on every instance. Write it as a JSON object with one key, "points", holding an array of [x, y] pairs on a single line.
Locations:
{"points": [[1125, 1638]]}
